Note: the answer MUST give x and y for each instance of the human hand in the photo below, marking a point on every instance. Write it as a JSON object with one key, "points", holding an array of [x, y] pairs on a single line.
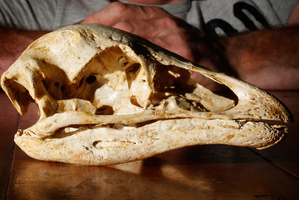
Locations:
{"points": [[165, 30]]}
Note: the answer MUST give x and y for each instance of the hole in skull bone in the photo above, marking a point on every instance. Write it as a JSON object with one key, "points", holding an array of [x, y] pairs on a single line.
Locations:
{"points": [[45, 84], [90, 79], [132, 73], [125, 64], [105, 110], [62, 88], [53, 77], [173, 79], [96, 142], [133, 68]]}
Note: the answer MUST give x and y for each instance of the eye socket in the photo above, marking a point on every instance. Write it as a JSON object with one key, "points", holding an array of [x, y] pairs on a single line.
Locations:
{"points": [[91, 79]]}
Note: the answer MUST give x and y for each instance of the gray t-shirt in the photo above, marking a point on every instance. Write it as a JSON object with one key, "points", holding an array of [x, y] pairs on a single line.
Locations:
{"points": [[212, 16]]}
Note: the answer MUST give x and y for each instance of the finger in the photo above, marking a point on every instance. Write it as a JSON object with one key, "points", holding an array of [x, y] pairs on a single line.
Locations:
{"points": [[175, 44], [151, 28], [164, 33], [117, 12]]}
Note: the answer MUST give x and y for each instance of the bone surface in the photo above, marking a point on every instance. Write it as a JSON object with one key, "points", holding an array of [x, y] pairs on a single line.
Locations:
{"points": [[106, 97]]}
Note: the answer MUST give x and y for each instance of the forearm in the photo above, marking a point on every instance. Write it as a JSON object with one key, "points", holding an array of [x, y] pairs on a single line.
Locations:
{"points": [[13, 42], [268, 59]]}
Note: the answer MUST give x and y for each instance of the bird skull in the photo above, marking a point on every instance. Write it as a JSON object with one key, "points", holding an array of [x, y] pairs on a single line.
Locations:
{"points": [[105, 97]]}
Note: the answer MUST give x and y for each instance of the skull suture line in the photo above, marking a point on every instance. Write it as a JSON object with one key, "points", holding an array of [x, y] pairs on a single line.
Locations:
{"points": [[107, 97]]}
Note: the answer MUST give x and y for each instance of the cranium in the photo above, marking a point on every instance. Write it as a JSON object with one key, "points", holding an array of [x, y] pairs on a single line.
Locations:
{"points": [[105, 97]]}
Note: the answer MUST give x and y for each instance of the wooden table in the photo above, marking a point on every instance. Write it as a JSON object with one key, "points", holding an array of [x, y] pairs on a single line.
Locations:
{"points": [[199, 172]]}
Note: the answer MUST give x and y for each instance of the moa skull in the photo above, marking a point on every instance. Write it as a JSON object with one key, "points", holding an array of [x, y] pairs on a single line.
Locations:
{"points": [[105, 97]]}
